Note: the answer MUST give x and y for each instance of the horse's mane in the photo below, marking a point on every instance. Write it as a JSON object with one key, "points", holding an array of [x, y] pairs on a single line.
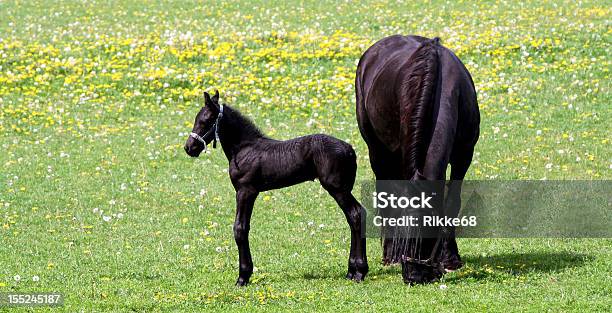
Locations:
{"points": [[417, 93], [240, 125]]}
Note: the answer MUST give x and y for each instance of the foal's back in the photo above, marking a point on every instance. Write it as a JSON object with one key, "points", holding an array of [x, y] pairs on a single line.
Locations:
{"points": [[271, 164]]}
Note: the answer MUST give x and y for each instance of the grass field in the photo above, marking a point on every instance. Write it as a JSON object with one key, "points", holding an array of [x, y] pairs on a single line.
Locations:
{"points": [[99, 201]]}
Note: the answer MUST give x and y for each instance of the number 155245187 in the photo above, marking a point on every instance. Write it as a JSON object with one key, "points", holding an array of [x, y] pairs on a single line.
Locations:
{"points": [[31, 299]]}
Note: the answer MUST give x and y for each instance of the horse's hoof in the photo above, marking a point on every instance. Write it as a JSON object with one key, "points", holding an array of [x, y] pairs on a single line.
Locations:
{"points": [[241, 282], [415, 273], [452, 264], [453, 267], [358, 277]]}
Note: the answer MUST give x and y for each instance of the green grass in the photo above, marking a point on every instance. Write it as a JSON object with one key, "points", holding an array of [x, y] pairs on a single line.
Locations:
{"points": [[97, 98]]}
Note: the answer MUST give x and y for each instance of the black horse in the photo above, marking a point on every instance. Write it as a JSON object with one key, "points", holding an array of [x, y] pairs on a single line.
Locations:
{"points": [[417, 112], [258, 163]]}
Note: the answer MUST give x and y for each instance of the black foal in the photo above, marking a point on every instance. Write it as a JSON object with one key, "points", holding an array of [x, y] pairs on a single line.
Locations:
{"points": [[258, 163]]}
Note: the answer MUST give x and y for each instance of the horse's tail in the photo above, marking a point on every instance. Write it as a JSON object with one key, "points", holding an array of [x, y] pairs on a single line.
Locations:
{"points": [[418, 92]]}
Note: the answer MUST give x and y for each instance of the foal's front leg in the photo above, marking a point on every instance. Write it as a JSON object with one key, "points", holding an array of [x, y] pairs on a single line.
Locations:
{"points": [[245, 198]]}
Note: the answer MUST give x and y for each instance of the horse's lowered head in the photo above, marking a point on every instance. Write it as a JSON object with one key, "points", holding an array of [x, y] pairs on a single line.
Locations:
{"points": [[205, 125]]}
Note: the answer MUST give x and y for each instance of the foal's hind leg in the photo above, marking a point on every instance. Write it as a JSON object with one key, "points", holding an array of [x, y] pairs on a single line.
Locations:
{"points": [[245, 199], [358, 261]]}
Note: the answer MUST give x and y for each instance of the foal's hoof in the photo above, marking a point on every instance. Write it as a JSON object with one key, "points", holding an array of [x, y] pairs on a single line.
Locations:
{"points": [[356, 276], [350, 275], [242, 282], [359, 277]]}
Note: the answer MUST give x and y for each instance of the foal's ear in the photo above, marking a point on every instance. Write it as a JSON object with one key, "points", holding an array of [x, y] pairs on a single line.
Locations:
{"points": [[213, 103]]}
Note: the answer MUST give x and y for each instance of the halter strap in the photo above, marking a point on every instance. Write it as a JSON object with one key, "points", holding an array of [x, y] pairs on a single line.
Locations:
{"points": [[215, 128]]}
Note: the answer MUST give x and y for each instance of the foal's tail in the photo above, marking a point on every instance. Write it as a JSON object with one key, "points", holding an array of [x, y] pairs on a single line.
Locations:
{"points": [[417, 95]]}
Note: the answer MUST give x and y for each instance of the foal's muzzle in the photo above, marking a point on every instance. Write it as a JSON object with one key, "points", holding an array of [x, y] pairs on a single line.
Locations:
{"points": [[193, 148], [189, 152], [192, 152]]}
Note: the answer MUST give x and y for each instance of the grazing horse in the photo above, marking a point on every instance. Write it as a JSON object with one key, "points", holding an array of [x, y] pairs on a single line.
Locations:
{"points": [[258, 163], [417, 112]]}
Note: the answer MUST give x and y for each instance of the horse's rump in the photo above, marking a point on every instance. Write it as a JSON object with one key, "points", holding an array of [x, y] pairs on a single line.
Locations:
{"points": [[396, 84]]}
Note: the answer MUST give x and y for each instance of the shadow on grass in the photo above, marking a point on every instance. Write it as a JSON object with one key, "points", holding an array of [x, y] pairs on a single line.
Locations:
{"points": [[484, 267], [515, 264], [380, 271], [535, 261], [316, 276]]}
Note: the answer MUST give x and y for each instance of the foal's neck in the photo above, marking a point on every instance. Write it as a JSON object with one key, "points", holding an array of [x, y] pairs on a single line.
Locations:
{"points": [[236, 132]]}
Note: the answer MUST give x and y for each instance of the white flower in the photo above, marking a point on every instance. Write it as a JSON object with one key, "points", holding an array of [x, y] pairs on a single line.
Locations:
{"points": [[186, 247], [17, 278], [119, 215], [443, 286], [35, 278], [219, 249], [106, 218]]}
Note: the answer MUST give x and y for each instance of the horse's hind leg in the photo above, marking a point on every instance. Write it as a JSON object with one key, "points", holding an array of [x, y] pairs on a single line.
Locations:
{"points": [[385, 166], [460, 162], [358, 262]]}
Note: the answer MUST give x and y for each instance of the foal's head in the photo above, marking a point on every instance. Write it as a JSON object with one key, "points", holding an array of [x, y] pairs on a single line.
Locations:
{"points": [[203, 131]]}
